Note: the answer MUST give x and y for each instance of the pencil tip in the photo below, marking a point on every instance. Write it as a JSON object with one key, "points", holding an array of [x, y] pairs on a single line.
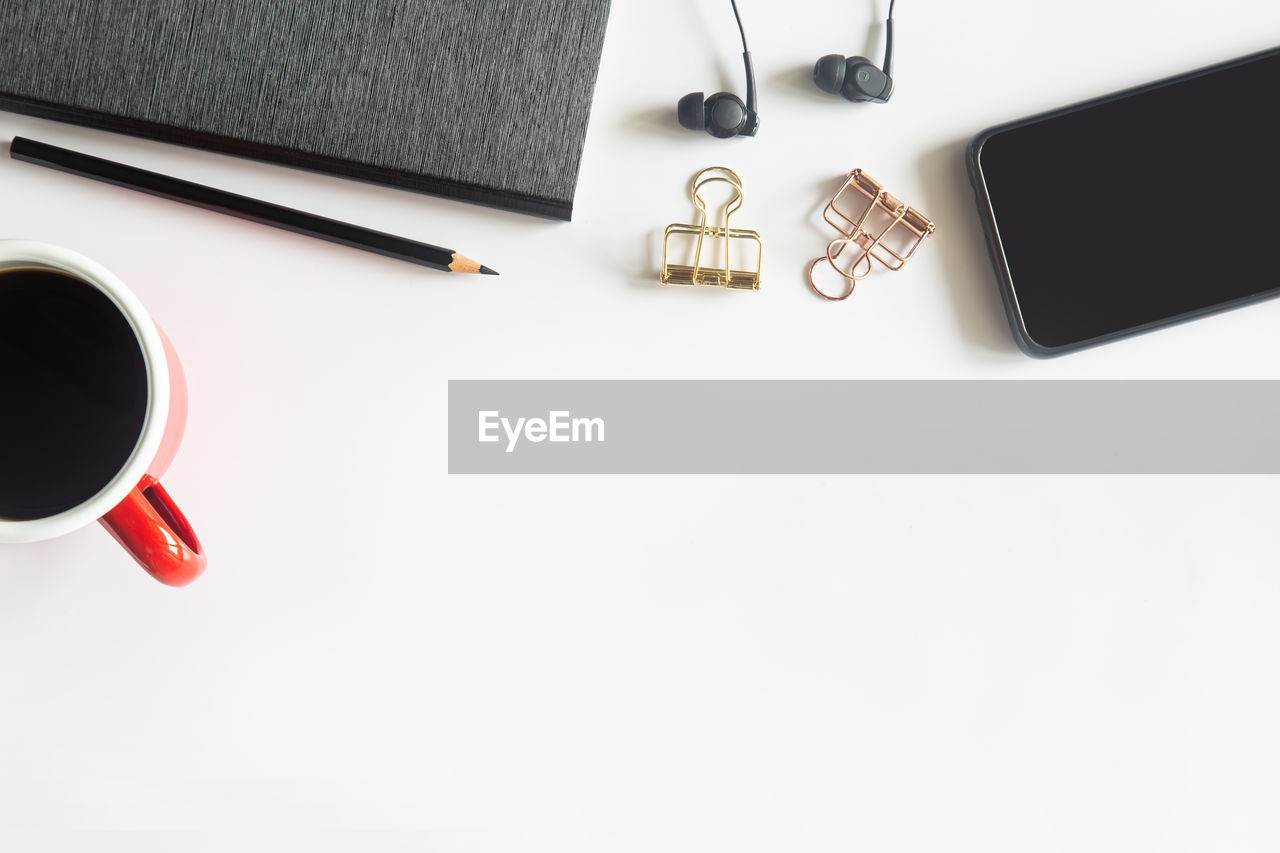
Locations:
{"points": [[461, 263]]}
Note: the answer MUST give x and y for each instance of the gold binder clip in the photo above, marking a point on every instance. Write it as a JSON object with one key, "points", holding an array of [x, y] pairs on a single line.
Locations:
{"points": [[881, 228], [720, 272]]}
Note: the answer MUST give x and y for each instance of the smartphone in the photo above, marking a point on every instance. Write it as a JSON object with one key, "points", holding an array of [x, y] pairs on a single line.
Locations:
{"points": [[1137, 210]]}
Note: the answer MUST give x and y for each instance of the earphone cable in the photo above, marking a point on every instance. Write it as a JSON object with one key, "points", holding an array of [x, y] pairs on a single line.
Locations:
{"points": [[888, 42], [743, 32]]}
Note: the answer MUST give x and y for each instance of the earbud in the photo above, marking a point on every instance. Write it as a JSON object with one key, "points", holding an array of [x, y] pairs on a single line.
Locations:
{"points": [[857, 78], [723, 114]]}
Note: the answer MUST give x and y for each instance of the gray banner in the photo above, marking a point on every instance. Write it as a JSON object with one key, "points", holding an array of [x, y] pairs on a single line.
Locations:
{"points": [[864, 427]]}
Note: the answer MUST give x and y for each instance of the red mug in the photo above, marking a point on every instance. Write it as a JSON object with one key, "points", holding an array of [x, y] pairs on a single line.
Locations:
{"points": [[133, 506]]}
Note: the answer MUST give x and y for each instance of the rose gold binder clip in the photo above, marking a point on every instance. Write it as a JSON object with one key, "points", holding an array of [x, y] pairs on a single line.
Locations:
{"points": [[717, 271], [880, 228]]}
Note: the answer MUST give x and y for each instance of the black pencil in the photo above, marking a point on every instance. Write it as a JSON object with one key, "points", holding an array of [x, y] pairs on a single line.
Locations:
{"points": [[243, 207]]}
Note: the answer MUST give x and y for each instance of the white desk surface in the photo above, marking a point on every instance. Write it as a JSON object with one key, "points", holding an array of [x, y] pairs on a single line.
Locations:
{"points": [[640, 664]]}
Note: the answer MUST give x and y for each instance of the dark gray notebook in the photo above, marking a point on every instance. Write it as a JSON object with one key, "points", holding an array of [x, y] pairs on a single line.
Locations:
{"points": [[481, 100]]}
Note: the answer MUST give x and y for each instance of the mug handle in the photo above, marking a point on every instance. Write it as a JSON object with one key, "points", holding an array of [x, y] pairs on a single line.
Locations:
{"points": [[149, 525]]}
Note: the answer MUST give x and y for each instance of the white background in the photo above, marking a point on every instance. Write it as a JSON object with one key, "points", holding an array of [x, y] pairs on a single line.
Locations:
{"points": [[640, 664]]}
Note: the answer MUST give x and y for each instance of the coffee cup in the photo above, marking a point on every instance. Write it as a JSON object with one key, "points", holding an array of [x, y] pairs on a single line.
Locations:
{"points": [[93, 404]]}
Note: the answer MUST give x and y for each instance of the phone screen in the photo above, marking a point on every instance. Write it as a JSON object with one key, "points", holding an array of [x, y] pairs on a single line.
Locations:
{"points": [[1140, 209]]}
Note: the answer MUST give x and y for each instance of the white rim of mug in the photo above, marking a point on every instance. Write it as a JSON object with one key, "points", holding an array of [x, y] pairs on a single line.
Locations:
{"points": [[34, 254]]}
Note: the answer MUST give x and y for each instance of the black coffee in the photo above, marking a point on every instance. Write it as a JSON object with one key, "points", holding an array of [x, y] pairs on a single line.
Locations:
{"points": [[73, 392]]}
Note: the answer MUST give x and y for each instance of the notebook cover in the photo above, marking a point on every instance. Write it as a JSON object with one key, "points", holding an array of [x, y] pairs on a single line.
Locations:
{"points": [[481, 100]]}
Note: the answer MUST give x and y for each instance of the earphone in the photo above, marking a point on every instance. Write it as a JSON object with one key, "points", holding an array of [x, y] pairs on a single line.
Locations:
{"points": [[723, 115], [856, 78]]}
